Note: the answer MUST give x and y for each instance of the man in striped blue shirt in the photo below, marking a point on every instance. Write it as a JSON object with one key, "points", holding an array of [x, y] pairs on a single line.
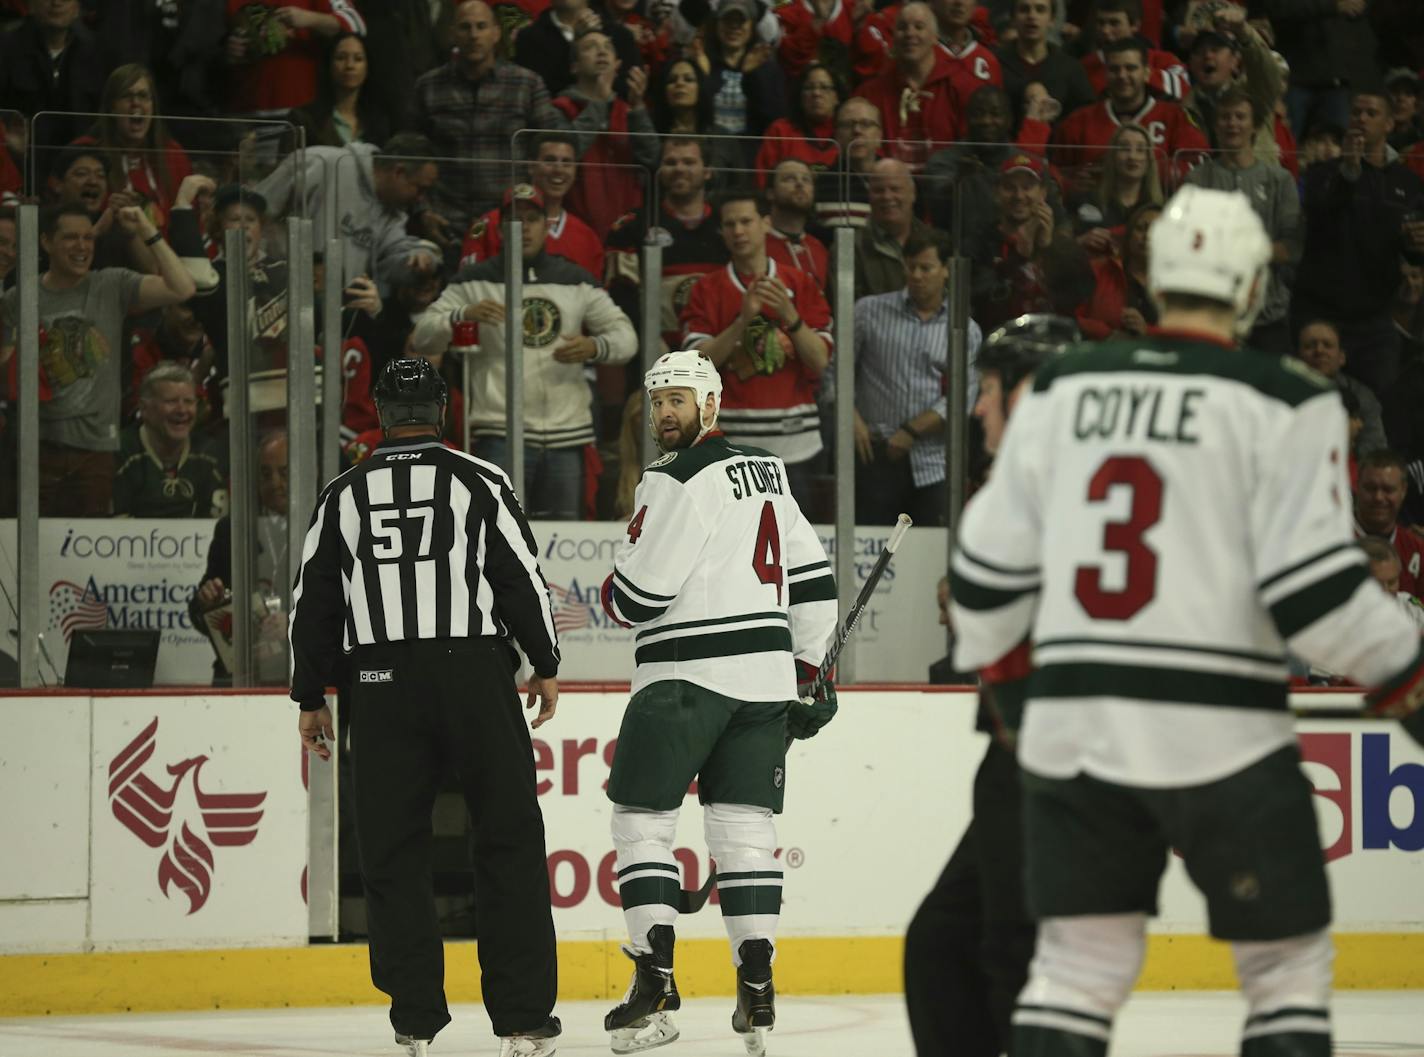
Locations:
{"points": [[901, 368]]}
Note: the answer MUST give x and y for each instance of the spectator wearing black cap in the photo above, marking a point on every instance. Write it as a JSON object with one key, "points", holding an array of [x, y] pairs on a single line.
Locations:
{"points": [[1231, 54], [1363, 211], [744, 80], [1403, 88]]}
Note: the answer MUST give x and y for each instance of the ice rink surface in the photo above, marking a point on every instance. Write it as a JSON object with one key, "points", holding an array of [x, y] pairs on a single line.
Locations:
{"points": [[1195, 1024]]}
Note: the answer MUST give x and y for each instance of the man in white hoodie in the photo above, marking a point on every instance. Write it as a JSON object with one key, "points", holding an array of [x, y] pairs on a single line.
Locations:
{"points": [[561, 303]]}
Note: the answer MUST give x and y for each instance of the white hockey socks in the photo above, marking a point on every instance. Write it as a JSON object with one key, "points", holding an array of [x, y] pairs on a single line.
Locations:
{"points": [[648, 879], [742, 841], [1287, 988], [1082, 972]]}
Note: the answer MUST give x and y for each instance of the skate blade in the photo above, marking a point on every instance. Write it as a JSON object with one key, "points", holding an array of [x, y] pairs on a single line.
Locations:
{"points": [[755, 1042], [657, 1030]]}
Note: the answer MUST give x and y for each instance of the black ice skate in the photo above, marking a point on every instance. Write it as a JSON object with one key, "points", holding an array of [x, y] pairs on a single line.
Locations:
{"points": [[641, 1021], [756, 998]]}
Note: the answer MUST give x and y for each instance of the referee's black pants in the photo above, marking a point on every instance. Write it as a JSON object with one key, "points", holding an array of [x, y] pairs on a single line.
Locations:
{"points": [[968, 948], [420, 707]]}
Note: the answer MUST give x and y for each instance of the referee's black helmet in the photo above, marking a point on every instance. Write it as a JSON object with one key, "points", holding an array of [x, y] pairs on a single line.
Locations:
{"points": [[410, 392], [1023, 345]]}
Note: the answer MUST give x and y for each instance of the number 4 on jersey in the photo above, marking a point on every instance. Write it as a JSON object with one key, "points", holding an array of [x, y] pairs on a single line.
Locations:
{"points": [[635, 527], [766, 557]]}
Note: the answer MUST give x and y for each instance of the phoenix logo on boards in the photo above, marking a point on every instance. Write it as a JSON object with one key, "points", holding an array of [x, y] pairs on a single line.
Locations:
{"points": [[151, 811]]}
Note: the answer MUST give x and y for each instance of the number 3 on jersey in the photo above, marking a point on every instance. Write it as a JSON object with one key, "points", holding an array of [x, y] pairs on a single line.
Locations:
{"points": [[766, 556], [1124, 537]]}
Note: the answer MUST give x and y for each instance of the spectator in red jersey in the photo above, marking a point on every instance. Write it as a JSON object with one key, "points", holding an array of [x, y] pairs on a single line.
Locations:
{"points": [[870, 47], [1115, 20], [343, 111], [50, 63], [1120, 305], [1379, 497], [143, 159], [808, 134], [1128, 179], [767, 328], [919, 103], [1083, 136], [274, 50], [973, 63], [554, 172], [1030, 58], [619, 146], [792, 197], [649, 29]]}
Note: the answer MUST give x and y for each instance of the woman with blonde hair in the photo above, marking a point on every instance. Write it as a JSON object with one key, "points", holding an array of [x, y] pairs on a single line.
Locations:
{"points": [[1129, 179], [144, 160]]}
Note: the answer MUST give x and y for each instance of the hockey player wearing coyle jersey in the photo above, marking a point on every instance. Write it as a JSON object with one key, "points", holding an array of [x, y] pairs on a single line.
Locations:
{"points": [[1157, 712], [734, 602]]}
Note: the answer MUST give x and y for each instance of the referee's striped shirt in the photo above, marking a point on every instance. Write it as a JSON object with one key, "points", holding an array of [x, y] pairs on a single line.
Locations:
{"points": [[417, 542]]}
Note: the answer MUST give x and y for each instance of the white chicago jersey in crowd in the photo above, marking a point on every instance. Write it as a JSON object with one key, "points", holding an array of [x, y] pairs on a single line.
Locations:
{"points": [[1164, 518], [723, 576]]}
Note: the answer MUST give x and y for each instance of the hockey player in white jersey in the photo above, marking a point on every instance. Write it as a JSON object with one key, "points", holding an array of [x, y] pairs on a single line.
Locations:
{"points": [[734, 600], [1167, 516]]}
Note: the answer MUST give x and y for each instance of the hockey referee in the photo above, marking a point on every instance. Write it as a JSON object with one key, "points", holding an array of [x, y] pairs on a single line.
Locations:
{"points": [[420, 567]]}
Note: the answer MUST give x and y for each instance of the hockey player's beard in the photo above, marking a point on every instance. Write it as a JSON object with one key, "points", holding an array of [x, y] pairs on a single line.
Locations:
{"points": [[684, 437]]}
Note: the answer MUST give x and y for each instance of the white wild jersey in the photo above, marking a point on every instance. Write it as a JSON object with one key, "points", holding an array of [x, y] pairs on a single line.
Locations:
{"points": [[1165, 517], [721, 574]]}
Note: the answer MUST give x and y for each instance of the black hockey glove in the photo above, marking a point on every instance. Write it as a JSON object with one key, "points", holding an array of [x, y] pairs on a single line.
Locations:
{"points": [[809, 714], [1402, 698]]}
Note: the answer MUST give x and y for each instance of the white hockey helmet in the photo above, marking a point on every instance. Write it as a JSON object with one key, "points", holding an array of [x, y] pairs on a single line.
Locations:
{"points": [[1213, 245], [686, 369]]}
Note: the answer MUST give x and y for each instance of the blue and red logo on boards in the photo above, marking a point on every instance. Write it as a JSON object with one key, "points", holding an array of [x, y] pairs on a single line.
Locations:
{"points": [[1391, 798]]}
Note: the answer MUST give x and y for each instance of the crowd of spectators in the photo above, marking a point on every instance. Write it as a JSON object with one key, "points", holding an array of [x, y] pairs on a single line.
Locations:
{"points": [[1035, 139]]}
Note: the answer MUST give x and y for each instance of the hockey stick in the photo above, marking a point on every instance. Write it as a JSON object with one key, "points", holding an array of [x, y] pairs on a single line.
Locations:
{"points": [[897, 534], [690, 902]]}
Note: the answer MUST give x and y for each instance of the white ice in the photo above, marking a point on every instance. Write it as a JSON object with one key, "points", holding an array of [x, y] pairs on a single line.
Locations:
{"points": [[1194, 1024]]}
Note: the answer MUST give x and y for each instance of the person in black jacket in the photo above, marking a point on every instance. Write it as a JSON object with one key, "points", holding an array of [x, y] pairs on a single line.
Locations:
{"points": [[543, 47], [1363, 211], [50, 63], [416, 563]]}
